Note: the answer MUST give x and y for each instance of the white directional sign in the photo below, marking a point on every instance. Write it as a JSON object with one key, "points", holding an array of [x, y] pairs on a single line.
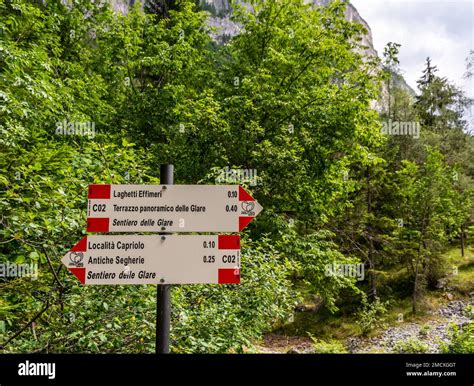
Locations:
{"points": [[169, 208], [166, 259]]}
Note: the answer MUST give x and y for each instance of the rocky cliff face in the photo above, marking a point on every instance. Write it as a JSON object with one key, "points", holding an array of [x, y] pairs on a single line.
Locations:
{"points": [[221, 10], [353, 15], [122, 5]]}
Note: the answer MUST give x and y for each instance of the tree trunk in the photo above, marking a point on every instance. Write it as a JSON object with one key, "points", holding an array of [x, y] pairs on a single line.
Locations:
{"points": [[415, 290], [416, 284], [462, 240], [370, 252], [372, 278]]}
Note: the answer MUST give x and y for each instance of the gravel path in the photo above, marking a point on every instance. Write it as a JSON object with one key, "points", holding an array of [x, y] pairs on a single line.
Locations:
{"points": [[437, 332], [281, 344]]}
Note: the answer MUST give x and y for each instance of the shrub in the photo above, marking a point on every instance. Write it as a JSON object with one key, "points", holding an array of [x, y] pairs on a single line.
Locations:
{"points": [[410, 346], [424, 330], [462, 340], [469, 312], [371, 314], [328, 347]]}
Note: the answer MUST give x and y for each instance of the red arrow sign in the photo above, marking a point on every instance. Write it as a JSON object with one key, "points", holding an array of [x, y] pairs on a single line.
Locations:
{"points": [[188, 259], [170, 208]]}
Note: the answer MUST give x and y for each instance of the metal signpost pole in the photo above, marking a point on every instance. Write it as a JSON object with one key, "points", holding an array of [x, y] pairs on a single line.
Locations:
{"points": [[163, 301]]}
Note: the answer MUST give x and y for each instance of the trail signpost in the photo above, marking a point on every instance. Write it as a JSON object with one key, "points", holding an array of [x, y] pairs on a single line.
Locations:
{"points": [[155, 259], [169, 208], [162, 259]]}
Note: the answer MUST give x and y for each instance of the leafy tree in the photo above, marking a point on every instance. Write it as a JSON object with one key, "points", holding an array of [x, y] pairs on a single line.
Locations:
{"points": [[390, 62], [429, 206]]}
